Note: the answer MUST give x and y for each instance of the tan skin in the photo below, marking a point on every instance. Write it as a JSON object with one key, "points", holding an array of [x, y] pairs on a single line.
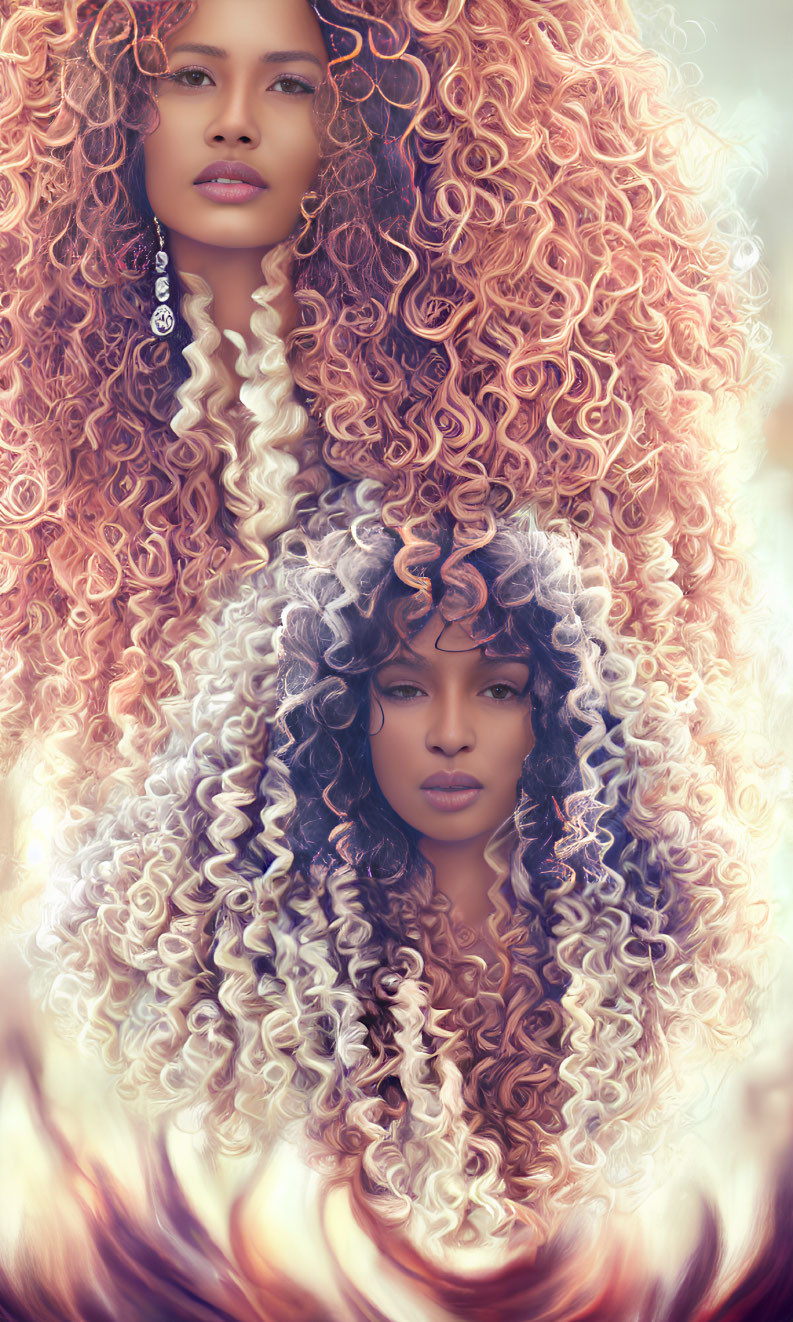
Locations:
{"points": [[240, 91], [433, 708], [445, 710]]}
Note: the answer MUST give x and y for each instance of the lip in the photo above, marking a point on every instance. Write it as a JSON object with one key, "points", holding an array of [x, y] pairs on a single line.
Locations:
{"points": [[451, 780], [236, 170], [450, 791], [230, 182]]}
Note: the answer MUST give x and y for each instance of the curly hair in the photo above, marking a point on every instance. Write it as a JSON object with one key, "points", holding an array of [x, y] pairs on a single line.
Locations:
{"points": [[127, 473], [507, 288], [257, 939], [568, 330]]}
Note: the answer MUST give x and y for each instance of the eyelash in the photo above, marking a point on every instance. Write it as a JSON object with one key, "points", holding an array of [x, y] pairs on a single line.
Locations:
{"points": [[180, 76], [306, 88], [398, 694], [511, 691]]}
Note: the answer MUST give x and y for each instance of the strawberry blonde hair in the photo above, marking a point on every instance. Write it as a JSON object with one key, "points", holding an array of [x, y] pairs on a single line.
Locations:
{"points": [[509, 287]]}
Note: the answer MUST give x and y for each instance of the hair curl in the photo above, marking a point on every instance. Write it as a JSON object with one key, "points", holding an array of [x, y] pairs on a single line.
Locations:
{"points": [[230, 941], [508, 288], [568, 330], [127, 476]]}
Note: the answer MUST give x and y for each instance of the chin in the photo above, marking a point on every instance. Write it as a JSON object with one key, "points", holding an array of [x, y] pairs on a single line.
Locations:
{"points": [[462, 836]]}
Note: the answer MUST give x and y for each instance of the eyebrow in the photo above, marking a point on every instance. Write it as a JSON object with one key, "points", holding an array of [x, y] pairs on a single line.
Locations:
{"points": [[272, 57], [413, 659], [404, 659]]}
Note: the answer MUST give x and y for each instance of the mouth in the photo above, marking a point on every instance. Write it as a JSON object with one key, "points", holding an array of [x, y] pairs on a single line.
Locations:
{"points": [[230, 182], [450, 791], [451, 780]]}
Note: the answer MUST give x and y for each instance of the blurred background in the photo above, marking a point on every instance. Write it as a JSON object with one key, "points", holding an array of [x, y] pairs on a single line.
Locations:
{"points": [[742, 53]]}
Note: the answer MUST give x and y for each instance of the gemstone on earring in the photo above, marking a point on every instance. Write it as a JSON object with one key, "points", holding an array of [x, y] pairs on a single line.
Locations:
{"points": [[163, 320]]}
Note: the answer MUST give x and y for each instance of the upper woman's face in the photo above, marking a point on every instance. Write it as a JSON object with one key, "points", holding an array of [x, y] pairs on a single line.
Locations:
{"points": [[450, 728], [237, 105]]}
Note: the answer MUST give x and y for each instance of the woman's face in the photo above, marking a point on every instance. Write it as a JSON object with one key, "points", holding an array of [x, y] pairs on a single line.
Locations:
{"points": [[236, 145], [450, 728]]}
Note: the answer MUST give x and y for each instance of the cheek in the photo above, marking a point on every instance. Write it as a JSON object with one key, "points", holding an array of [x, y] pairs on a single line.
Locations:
{"points": [[381, 747], [158, 162], [392, 751], [382, 767], [511, 750], [528, 740], [298, 155]]}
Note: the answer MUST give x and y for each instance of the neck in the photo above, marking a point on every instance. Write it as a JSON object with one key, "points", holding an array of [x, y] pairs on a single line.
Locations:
{"points": [[233, 275], [463, 875]]}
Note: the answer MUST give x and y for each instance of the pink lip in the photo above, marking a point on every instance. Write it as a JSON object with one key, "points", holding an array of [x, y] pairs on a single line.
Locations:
{"points": [[244, 174], [451, 780], [450, 791], [242, 182], [451, 800]]}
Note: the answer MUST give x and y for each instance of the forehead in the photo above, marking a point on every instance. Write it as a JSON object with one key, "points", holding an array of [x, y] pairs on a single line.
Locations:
{"points": [[252, 26], [447, 646], [437, 636]]}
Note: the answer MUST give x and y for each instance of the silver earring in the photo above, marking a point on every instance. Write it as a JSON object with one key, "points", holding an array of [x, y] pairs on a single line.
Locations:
{"points": [[162, 318]]}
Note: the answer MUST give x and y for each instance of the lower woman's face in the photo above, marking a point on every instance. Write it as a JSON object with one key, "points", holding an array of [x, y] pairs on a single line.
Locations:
{"points": [[236, 145], [450, 728]]}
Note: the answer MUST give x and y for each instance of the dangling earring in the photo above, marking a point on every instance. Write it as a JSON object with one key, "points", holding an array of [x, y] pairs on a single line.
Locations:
{"points": [[162, 318]]}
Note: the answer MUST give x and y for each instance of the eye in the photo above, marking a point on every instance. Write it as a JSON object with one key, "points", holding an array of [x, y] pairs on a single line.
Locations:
{"points": [[401, 692], [291, 85], [191, 77], [500, 691]]}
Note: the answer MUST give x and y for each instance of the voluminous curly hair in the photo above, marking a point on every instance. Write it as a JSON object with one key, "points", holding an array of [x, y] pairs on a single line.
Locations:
{"points": [[569, 329], [127, 475], [508, 287], [268, 949]]}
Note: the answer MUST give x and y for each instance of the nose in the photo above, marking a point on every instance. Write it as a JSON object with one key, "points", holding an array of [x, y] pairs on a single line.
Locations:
{"points": [[450, 730], [235, 122]]}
